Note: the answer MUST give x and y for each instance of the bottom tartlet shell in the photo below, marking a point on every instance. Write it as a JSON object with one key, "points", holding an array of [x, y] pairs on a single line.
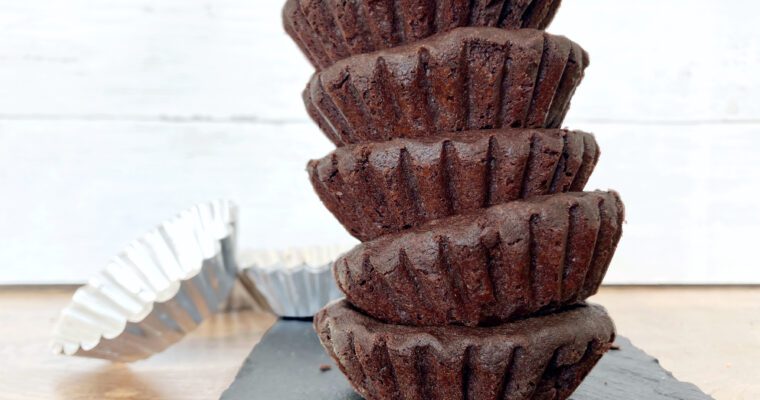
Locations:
{"points": [[539, 358]]}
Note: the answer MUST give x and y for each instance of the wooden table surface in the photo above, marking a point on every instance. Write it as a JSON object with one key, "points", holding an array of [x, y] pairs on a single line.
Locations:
{"points": [[709, 336]]}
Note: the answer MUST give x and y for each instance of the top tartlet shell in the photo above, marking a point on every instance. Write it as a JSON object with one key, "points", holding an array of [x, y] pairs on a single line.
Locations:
{"points": [[331, 30]]}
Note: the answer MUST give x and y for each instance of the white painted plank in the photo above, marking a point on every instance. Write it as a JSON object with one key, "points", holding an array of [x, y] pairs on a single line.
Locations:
{"points": [[75, 193], [221, 59], [670, 60], [666, 60], [71, 200], [81, 175], [691, 198]]}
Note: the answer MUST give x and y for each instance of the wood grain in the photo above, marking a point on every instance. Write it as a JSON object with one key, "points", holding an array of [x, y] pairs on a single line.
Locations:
{"points": [[199, 367], [708, 336]]}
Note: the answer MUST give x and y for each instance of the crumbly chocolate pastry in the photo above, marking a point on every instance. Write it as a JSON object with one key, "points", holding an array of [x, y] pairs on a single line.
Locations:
{"points": [[330, 30], [384, 187], [466, 79], [543, 358], [494, 265]]}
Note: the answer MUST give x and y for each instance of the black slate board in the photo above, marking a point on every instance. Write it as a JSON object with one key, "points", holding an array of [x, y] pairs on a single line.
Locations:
{"points": [[285, 365]]}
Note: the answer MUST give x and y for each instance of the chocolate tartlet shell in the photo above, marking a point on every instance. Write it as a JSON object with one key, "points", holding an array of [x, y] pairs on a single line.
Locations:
{"points": [[497, 264], [330, 30], [466, 79], [539, 358], [379, 188]]}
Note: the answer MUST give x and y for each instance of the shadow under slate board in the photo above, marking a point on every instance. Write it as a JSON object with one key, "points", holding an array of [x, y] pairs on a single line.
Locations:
{"points": [[285, 365]]}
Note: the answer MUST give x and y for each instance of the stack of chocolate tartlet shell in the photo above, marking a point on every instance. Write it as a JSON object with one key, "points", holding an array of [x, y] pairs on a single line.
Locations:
{"points": [[479, 245]]}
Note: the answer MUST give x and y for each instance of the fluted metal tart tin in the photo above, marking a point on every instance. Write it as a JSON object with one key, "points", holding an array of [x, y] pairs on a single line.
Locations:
{"points": [[296, 282], [162, 286]]}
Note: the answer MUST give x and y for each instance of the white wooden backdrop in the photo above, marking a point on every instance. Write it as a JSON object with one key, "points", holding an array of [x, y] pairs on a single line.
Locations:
{"points": [[116, 114]]}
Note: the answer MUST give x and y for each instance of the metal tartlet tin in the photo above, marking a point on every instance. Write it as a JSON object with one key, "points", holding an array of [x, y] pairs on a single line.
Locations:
{"points": [[162, 286], [296, 283]]}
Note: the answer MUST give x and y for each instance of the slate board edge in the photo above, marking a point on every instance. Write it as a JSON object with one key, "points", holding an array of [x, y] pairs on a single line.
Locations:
{"points": [[285, 366]]}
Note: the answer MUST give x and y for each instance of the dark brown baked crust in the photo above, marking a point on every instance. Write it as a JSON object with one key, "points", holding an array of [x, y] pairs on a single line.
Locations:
{"points": [[466, 79], [539, 358], [497, 264], [379, 188], [330, 30]]}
